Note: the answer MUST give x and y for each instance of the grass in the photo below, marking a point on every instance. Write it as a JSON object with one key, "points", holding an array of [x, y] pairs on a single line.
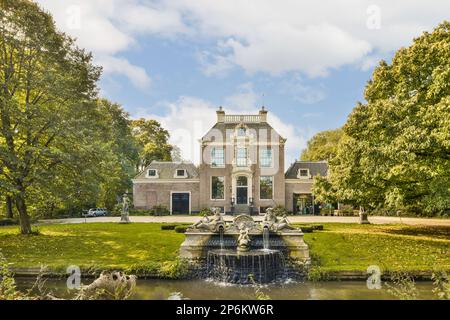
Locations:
{"points": [[143, 246], [100, 245], [354, 247]]}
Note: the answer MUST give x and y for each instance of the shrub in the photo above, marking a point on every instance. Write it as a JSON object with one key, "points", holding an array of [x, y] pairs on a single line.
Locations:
{"points": [[181, 229], [317, 227], [141, 212], [307, 229], [206, 211], [168, 226], [160, 210], [7, 222], [280, 210]]}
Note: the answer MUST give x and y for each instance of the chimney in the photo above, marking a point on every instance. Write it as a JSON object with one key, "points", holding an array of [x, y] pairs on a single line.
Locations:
{"points": [[263, 114], [220, 115]]}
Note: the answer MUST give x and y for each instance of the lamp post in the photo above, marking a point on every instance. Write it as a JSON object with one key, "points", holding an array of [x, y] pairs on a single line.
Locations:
{"points": [[232, 205]]}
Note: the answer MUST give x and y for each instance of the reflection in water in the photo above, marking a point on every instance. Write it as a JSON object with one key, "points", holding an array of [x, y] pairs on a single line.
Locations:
{"points": [[202, 289]]}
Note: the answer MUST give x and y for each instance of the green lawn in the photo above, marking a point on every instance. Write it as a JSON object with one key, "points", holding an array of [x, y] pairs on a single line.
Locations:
{"points": [[112, 245], [103, 245], [350, 247]]}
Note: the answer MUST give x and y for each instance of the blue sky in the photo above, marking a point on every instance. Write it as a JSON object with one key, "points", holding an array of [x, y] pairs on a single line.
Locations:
{"points": [[306, 61]]}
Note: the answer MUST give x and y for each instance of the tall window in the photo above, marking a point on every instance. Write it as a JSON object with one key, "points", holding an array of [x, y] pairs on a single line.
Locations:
{"points": [[265, 158], [217, 157], [241, 157], [265, 187], [217, 188], [241, 131]]}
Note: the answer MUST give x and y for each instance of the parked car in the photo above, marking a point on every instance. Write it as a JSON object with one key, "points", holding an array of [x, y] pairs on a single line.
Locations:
{"points": [[97, 212]]}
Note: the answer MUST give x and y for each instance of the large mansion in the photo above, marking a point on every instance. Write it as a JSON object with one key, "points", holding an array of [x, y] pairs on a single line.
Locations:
{"points": [[241, 170]]}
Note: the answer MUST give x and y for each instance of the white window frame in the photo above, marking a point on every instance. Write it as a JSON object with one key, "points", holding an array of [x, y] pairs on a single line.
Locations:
{"points": [[156, 176], [211, 191], [308, 176], [184, 176], [213, 149], [271, 157], [246, 157], [273, 187]]}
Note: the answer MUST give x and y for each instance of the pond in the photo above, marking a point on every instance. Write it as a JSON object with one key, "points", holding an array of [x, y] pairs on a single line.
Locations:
{"points": [[204, 289]]}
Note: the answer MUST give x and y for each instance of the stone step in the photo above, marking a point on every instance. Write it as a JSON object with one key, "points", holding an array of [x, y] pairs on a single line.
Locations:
{"points": [[241, 209]]}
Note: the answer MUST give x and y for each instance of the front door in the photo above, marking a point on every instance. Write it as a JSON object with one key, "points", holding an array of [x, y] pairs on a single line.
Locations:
{"points": [[180, 203], [241, 190], [242, 195]]}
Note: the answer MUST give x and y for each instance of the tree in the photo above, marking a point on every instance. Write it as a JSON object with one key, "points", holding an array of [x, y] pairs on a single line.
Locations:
{"points": [[153, 141], [48, 86], [322, 146], [396, 150]]}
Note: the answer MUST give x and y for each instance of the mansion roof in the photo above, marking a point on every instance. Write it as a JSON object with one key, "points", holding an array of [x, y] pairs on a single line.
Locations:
{"points": [[314, 167], [166, 169]]}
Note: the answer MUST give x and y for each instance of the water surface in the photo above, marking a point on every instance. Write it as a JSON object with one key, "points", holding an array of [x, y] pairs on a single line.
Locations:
{"points": [[203, 289]]}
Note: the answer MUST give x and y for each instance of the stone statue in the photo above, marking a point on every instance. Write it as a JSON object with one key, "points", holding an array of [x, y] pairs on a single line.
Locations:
{"points": [[275, 223], [283, 223], [243, 240], [210, 224], [269, 219], [125, 216]]}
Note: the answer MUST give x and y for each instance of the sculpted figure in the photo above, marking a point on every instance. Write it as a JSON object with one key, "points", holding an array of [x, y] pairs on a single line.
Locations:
{"points": [[210, 223], [243, 240], [269, 219], [282, 223]]}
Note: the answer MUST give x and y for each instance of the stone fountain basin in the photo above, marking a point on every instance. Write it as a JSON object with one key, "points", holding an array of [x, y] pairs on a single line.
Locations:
{"points": [[197, 244]]}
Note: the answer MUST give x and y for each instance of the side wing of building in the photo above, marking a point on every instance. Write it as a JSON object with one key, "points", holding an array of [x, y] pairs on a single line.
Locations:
{"points": [[174, 185], [299, 180]]}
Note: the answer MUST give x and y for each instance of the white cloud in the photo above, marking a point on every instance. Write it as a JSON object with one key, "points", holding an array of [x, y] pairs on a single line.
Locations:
{"points": [[189, 118], [109, 27], [246, 98], [114, 65], [309, 37]]}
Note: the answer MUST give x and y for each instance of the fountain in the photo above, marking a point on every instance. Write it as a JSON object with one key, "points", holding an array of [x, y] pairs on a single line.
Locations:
{"points": [[245, 251]]}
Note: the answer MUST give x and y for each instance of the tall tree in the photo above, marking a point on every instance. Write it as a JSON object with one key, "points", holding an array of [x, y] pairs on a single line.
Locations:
{"points": [[48, 87], [396, 153], [153, 140], [322, 146]]}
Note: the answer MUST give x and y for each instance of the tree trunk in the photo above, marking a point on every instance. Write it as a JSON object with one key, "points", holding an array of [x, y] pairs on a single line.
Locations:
{"points": [[25, 226], [9, 208]]}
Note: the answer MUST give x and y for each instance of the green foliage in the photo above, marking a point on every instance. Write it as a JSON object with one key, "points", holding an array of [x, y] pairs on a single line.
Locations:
{"points": [[181, 229], [168, 226], [403, 286], [160, 210], [441, 284], [7, 222], [280, 210], [206, 211], [152, 140], [395, 150], [322, 146], [8, 290]]}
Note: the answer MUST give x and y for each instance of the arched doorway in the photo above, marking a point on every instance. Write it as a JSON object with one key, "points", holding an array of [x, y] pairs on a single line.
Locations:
{"points": [[241, 190]]}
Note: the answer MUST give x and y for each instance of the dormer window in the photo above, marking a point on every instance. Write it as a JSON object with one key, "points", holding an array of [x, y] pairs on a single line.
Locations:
{"points": [[152, 173], [180, 173], [303, 173]]}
